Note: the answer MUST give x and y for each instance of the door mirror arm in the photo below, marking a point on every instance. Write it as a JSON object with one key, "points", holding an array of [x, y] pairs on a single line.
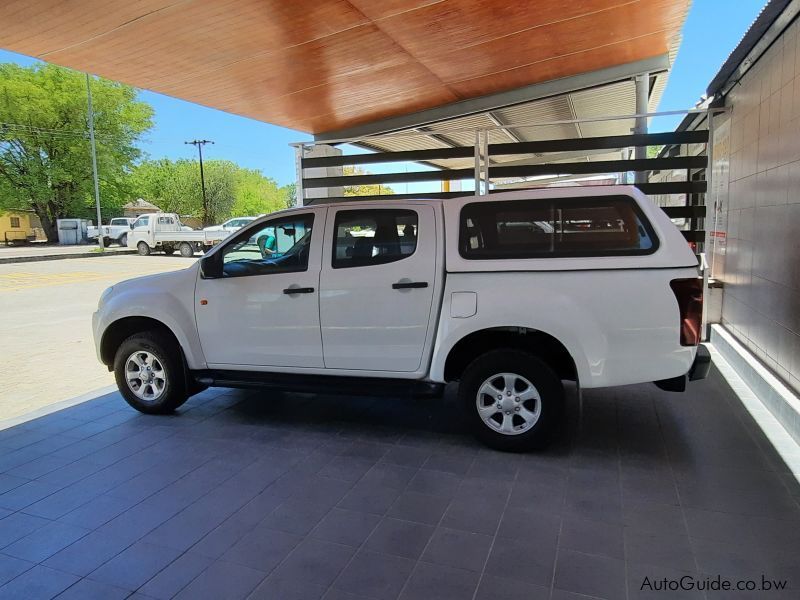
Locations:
{"points": [[211, 266]]}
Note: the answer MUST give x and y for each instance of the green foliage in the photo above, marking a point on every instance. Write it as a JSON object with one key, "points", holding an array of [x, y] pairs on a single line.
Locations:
{"points": [[45, 161], [256, 194], [372, 189], [230, 189]]}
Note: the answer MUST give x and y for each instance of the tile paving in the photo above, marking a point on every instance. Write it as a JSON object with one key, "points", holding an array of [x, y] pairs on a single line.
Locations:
{"points": [[309, 497]]}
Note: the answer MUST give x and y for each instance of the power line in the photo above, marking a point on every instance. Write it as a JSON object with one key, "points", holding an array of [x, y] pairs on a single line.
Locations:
{"points": [[63, 133], [199, 144]]}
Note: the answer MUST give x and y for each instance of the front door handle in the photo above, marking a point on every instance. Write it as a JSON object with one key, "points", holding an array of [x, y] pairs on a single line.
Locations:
{"points": [[405, 285], [298, 290]]}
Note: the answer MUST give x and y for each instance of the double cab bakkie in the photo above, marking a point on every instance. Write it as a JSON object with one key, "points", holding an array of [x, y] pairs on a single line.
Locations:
{"points": [[508, 295]]}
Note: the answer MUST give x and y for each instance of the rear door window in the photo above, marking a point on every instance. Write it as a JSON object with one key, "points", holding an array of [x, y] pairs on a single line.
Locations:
{"points": [[373, 237], [553, 227]]}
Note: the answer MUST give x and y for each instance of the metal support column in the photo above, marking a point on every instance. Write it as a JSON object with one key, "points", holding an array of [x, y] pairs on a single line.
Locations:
{"points": [[486, 162], [100, 240], [299, 196], [477, 162], [642, 83], [707, 269]]}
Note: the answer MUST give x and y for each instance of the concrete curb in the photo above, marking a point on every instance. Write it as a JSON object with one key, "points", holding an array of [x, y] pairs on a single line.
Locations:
{"points": [[776, 397], [24, 259]]}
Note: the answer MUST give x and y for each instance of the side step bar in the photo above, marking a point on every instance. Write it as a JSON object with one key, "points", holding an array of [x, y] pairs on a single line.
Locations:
{"points": [[320, 384]]}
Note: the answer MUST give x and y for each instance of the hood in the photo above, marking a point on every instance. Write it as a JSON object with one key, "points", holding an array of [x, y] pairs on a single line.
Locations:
{"points": [[154, 280]]}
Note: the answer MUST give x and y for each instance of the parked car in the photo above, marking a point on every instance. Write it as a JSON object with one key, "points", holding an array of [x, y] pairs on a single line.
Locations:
{"points": [[116, 231], [508, 295], [164, 232], [231, 225]]}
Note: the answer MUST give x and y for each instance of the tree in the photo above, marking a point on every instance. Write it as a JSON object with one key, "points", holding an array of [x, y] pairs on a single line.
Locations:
{"points": [[256, 194], [45, 158], [371, 189], [172, 185], [290, 195], [230, 189]]}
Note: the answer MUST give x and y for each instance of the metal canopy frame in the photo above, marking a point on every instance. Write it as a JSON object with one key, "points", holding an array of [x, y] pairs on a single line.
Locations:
{"points": [[545, 153], [484, 104]]}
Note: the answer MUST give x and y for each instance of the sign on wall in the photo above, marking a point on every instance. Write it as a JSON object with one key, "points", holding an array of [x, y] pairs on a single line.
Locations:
{"points": [[717, 221]]}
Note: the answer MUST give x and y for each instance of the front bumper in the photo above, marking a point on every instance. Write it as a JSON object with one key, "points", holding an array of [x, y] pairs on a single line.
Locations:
{"points": [[96, 333], [699, 370]]}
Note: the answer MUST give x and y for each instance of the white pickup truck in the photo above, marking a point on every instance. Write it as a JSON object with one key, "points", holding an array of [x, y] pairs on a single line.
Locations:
{"points": [[116, 231], [508, 295], [164, 231]]}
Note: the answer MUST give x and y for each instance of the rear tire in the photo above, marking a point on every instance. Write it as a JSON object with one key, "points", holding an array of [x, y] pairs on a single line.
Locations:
{"points": [[514, 401], [149, 371], [186, 249], [123, 240], [143, 249]]}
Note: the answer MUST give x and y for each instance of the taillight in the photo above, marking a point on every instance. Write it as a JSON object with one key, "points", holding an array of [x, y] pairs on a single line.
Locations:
{"points": [[689, 294]]}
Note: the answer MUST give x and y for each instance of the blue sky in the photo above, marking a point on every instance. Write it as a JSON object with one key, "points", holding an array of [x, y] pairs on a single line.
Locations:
{"points": [[712, 30]]}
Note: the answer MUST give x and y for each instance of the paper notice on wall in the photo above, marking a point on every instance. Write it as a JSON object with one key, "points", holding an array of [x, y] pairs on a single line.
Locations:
{"points": [[717, 200]]}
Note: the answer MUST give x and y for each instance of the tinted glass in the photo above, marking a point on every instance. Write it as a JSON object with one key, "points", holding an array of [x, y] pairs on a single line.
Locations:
{"points": [[597, 226], [279, 246], [373, 237]]}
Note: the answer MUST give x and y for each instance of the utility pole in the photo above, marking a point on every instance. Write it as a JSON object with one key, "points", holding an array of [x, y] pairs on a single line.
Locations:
{"points": [[200, 144], [94, 163]]}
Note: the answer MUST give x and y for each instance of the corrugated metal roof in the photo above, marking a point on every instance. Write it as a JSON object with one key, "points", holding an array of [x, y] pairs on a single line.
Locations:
{"points": [[769, 14], [536, 120], [531, 121]]}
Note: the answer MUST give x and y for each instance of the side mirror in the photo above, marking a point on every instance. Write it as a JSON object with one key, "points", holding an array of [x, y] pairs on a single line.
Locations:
{"points": [[131, 226], [211, 266]]}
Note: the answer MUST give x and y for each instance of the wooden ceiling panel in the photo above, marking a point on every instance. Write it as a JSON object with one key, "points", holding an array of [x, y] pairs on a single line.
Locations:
{"points": [[360, 97], [467, 23], [321, 65], [202, 36], [619, 24], [562, 66], [382, 9], [48, 25]]}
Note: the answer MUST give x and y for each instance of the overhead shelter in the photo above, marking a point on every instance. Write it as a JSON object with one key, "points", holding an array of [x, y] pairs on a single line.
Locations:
{"points": [[333, 66]]}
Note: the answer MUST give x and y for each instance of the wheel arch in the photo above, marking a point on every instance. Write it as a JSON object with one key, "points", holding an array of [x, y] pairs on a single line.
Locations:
{"points": [[123, 328], [536, 342]]}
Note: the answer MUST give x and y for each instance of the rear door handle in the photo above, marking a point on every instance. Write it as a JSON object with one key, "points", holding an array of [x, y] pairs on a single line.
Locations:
{"points": [[298, 290], [405, 285]]}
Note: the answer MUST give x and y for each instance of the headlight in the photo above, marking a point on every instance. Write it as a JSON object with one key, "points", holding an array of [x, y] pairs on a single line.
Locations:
{"points": [[104, 296]]}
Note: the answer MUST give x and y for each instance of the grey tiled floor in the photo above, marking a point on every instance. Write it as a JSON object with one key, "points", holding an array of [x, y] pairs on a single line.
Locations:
{"points": [[293, 496]]}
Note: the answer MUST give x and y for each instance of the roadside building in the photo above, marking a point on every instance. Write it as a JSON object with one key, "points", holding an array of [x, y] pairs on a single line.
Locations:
{"points": [[18, 226], [139, 207]]}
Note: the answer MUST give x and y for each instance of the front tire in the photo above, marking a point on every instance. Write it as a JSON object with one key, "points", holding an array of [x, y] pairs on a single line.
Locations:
{"points": [[149, 371], [143, 249], [514, 401]]}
